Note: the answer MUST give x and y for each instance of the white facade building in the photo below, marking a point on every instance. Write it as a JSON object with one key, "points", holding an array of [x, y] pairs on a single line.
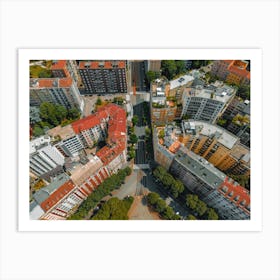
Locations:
{"points": [[43, 157]]}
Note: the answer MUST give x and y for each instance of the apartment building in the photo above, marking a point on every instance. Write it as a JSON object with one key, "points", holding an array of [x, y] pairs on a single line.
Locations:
{"points": [[206, 103], [218, 146], [64, 194], [200, 176], [164, 106], [237, 117], [60, 91], [109, 124], [103, 77], [43, 157], [232, 71], [230, 200], [175, 88]]}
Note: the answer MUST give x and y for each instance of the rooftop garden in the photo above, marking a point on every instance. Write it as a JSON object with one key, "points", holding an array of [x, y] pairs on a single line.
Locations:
{"points": [[157, 105], [241, 120]]}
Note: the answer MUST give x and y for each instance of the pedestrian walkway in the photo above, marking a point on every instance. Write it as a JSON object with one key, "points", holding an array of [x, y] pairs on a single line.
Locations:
{"points": [[141, 166]]}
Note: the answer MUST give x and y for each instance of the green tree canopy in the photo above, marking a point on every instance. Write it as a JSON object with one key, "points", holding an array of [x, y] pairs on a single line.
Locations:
{"points": [[152, 198], [98, 101], [191, 217], [169, 68], [134, 120], [133, 138], [212, 215]]}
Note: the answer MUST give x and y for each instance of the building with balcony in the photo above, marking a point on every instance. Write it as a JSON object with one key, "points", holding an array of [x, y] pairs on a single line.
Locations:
{"points": [[107, 124], [103, 77], [228, 198], [237, 117], [206, 103], [59, 91], [166, 99], [199, 175], [218, 146]]}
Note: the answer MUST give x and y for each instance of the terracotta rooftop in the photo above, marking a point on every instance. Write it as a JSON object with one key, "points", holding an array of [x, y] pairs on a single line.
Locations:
{"points": [[235, 193], [45, 83], [51, 82], [239, 71], [57, 195], [65, 82], [88, 122], [175, 147], [58, 64]]}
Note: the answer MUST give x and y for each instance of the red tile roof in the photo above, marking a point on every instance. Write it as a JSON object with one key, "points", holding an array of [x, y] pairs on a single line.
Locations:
{"points": [[238, 194], [116, 130], [65, 82], [239, 71], [174, 147], [57, 195], [45, 83], [55, 82], [59, 64], [88, 122]]}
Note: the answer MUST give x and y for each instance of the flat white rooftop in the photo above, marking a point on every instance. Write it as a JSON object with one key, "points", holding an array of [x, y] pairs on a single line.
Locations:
{"points": [[183, 80]]}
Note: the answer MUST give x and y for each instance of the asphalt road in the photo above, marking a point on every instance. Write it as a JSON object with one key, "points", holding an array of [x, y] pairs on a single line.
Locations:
{"points": [[145, 181], [138, 75]]}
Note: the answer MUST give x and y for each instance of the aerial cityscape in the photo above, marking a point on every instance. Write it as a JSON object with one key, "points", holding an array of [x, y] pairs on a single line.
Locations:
{"points": [[139, 140]]}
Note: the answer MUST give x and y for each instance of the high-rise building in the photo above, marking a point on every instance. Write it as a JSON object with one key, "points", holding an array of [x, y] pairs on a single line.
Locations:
{"points": [[166, 104], [108, 123], [103, 77], [206, 103], [43, 157], [237, 119], [60, 91], [212, 186], [200, 176], [218, 146], [66, 69]]}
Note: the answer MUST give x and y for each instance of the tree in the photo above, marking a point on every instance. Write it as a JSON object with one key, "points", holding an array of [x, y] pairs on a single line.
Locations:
{"points": [[169, 68], [45, 74], [221, 122], [134, 120], [73, 114], [159, 172], [152, 198], [191, 201], [201, 207], [147, 131], [37, 131], [244, 91], [160, 205], [150, 76], [98, 101], [133, 138], [168, 213], [114, 209], [191, 217], [60, 112], [48, 113], [131, 154], [212, 215], [180, 65], [161, 134]]}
